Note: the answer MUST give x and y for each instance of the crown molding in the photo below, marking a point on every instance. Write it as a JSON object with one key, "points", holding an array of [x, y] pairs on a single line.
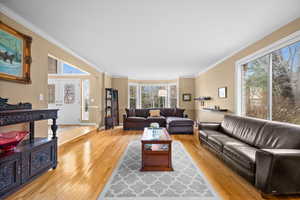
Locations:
{"points": [[21, 20], [188, 76], [118, 76], [107, 74]]}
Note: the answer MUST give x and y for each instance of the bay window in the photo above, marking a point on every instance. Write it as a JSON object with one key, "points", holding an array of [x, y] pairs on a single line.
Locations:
{"points": [[152, 95]]}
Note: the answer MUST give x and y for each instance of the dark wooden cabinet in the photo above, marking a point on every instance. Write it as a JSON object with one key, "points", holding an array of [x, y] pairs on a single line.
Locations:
{"points": [[111, 108], [38, 158], [32, 157], [10, 172]]}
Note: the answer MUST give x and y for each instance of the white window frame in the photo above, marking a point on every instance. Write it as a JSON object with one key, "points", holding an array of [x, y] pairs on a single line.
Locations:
{"points": [[169, 94], [137, 94], [60, 64], [153, 84], [139, 86], [292, 38]]}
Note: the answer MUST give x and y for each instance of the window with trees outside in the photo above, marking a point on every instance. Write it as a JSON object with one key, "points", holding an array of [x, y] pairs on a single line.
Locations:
{"points": [[133, 94], [152, 95], [271, 85]]}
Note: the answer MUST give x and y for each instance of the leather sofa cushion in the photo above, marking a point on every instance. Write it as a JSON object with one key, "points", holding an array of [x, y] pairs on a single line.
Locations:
{"points": [[242, 128], [172, 112], [136, 119], [277, 135], [206, 133], [168, 112], [179, 121], [229, 123], [130, 112], [156, 119], [142, 113], [179, 112], [247, 129], [244, 155], [221, 140]]}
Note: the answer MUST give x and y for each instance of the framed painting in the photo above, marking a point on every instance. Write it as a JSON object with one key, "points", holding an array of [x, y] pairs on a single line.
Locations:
{"points": [[15, 55], [222, 92]]}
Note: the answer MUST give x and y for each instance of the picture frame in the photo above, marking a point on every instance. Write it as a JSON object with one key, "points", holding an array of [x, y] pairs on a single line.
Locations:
{"points": [[222, 92], [15, 55], [186, 97]]}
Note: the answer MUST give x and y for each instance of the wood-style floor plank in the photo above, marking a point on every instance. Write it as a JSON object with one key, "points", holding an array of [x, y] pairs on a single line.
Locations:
{"points": [[86, 164]]}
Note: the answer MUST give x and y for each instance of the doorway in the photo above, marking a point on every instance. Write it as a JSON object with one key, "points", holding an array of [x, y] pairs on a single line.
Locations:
{"points": [[65, 95]]}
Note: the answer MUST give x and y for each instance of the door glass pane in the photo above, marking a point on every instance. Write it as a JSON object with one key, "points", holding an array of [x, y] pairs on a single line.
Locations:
{"points": [[69, 93], [51, 93], [255, 88], [286, 84], [86, 99]]}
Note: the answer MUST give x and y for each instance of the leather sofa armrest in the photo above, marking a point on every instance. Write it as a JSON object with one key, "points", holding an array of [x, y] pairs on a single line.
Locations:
{"points": [[209, 125], [277, 171]]}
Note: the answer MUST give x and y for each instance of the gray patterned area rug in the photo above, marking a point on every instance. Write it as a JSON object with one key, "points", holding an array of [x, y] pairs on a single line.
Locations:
{"points": [[186, 182]]}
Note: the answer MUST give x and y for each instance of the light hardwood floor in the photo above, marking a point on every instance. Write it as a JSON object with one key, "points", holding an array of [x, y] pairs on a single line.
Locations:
{"points": [[86, 163], [66, 133]]}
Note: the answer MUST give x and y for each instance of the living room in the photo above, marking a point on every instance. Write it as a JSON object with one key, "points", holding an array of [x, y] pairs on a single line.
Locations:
{"points": [[176, 100]]}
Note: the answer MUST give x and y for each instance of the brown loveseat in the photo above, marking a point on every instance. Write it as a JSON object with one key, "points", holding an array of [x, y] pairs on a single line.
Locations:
{"points": [[173, 118], [266, 153]]}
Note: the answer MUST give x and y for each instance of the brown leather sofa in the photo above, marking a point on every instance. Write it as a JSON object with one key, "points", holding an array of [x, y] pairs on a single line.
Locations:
{"points": [[173, 118], [266, 153]]}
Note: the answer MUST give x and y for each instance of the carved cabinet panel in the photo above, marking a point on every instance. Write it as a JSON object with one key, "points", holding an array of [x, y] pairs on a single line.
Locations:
{"points": [[10, 173], [37, 160]]}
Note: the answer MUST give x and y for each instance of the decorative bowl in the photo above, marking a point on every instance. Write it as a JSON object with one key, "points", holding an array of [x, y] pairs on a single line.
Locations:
{"points": [[9, 140], [154, 125]]}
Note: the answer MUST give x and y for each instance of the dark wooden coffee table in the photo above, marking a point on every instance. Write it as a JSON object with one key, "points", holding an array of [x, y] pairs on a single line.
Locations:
{"points": [[156, 150]]}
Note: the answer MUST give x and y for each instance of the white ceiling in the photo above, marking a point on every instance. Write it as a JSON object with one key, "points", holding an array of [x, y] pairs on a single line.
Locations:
{"points": [[156, 39]]}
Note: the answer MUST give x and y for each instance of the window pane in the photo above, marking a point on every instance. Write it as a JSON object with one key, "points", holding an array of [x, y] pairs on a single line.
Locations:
{"points": [[286, 84], [255, 88], [52, 66], [153, 96], [173, 96], [86, 99], [132, 91], [173, 91], [51, 93], [173, 103], [132, 103], [68, 69], [146, 101]]}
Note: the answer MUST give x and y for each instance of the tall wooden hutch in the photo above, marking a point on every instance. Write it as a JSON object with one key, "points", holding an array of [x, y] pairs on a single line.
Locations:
{"points": [[111, 108]]}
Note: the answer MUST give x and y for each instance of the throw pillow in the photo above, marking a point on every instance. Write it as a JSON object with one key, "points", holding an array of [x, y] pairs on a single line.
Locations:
{"points": [[154, 113]]}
